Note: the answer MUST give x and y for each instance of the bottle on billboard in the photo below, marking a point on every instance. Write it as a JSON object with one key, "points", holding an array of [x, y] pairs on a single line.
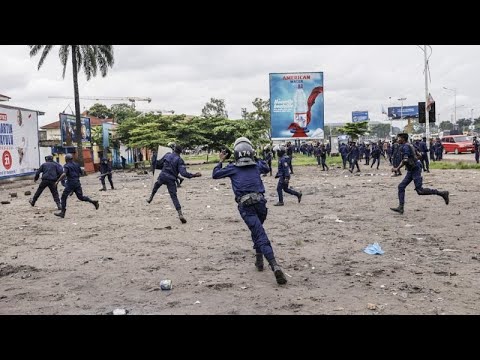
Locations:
{"points": [[300, 106]]}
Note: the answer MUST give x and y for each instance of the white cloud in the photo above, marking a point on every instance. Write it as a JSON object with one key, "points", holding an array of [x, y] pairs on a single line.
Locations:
{"points": [[184, 78]]}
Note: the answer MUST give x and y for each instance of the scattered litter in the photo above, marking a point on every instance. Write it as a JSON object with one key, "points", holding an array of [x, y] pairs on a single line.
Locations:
{"points": [[166, 284], [166, 227], [243, 287], [197, 302], [374, 249], [120, 312], [28, 193], [201, 281], [339, 221], [313, 267], [208, 206], [188, 259], [339, 309], [200, 229], [382, 286], [419, 238], [5, 202], [409, 225], [287, 274], [74, 223], [358, 274], [371, 306], [451, 250]]}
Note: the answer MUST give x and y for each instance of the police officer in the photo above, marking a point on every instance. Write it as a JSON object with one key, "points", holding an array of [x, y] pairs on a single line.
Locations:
{"points": [[51, 171], [249, 192], [414, 172], [290, 156], [424, 150], [72, 171], [323, 157], [179, 179], [476, 146], [376, 152], [283, 176], [344, 151], [432, 150], [353, 155], [396, 157], [267, 157], [171, 165], [328, 148], [106, 170], [438, 150], [367, 154]]}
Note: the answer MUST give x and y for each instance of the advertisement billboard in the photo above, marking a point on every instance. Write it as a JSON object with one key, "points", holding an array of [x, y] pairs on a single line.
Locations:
{"points": [[296, 105], [404, 112], [68, 126], [359, 116], [19, 153]]}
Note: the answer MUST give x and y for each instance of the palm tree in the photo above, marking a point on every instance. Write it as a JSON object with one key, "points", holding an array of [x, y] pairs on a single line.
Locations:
{"points": [[92, 58]]}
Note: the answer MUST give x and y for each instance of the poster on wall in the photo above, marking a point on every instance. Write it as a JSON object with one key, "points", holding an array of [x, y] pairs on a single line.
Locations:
{"points": [[296, 105], [68, 126], [19, 154]]}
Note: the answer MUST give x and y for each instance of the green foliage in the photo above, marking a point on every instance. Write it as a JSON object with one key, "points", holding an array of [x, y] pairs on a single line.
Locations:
{"points": [[101, 111], [123, 111], [215, 108], [446, 125], [451, 165], [354, 130], [381, 130], [464, 124]]}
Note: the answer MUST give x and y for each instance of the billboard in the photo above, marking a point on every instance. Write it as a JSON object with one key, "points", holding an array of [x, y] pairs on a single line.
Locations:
{"points": [[68, 128], [19, 153], [397, 112], [296, 105], [359, 116]]}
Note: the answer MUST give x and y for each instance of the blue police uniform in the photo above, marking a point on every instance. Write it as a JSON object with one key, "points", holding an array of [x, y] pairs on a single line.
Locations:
{"points": [[106, 168], [171, 165], [424, 150], [50, 174], [414, 173], [344, 151], [73, 171], [249, 192], [476, 146], [283, 180], [290, 157], [376, 152], [353, 156], [367, 155]]}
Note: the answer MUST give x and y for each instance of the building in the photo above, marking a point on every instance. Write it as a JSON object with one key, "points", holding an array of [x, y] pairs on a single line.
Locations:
{"points": [[4, 98]]}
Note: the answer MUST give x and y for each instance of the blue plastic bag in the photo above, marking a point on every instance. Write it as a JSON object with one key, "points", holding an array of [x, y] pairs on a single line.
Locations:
{"points": [[374, 249]]}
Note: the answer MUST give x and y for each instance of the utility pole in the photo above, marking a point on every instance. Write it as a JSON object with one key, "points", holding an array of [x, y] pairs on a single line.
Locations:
{"points": [[427, 117]]}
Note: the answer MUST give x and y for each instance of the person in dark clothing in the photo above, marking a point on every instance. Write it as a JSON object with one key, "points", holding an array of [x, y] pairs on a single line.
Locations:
{"points": [[323, 157], [424, 150], [396, 157], [72, 171], [432, 150], [106, 170], [438, 150], [411, 160], [179, 179], [50, 171], [353, 156], [367, 154], [249, 192], [267, 157], [283, 176], [344, 151], [476, 146], [171, 165], [290, 156], [376, 152], [124, 162], [328, 148]]}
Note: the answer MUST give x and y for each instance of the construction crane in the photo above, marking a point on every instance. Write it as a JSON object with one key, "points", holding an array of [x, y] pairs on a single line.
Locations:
{"points": [[132, 99], [157, 111]]}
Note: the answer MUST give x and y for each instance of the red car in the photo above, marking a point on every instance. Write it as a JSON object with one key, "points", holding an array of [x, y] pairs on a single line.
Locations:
{"points": [[458, 144]]}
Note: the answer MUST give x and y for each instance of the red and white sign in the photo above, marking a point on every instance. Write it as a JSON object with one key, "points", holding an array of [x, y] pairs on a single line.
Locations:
{"points": [[3, 117], [7, 160]]}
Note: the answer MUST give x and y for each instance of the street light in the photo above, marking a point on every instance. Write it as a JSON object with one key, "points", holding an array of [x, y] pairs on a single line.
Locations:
{"points": [[455, 102], [401, 109]]}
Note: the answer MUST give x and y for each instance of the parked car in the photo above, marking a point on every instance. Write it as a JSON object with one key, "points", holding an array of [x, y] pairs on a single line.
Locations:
{"points": [[457, 144]]}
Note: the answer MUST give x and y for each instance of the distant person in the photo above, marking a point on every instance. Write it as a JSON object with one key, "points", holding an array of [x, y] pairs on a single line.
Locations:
{"points": [[106, 171], [171, 165], [283, 176], [50, 171], [476, 146], [72, 171], [124, 162], [411, 161]]}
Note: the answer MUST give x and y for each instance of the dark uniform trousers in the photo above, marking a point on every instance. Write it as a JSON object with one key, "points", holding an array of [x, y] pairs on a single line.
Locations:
{"points": [[73, 187], [254, 216], [53, 189], [109, 176], [283, 186], [172, 190], [416, 177]]}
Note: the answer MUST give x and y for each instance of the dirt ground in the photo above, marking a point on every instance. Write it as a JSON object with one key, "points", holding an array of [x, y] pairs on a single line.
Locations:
{"points": [[93, 262]]}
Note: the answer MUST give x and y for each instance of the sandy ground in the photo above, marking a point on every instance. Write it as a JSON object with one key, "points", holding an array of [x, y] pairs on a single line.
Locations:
{"points": [[93, 262]]}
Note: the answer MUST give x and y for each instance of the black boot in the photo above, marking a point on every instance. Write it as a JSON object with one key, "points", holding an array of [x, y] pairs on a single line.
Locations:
{"points": [[113, 188], [104, 188], [398, 209], [149, 200], [279, 204], [445, 195], [96, 204], [259, 262], [59, 206], [181, 217], [33, 202], [278, 272], [299, 196], [60, 214]]}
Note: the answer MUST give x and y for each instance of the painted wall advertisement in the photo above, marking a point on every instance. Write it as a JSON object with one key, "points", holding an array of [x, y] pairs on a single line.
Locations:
{"points": [[296, 105], [19, 154], [68, 126]]}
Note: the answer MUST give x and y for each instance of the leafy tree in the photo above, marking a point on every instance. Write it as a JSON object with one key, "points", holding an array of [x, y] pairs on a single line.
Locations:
{"points": [[215, 108], [123, 111], [381, 130], [92, 58], [101, 111], [446, 125], [354, 130], [464, 123]]}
